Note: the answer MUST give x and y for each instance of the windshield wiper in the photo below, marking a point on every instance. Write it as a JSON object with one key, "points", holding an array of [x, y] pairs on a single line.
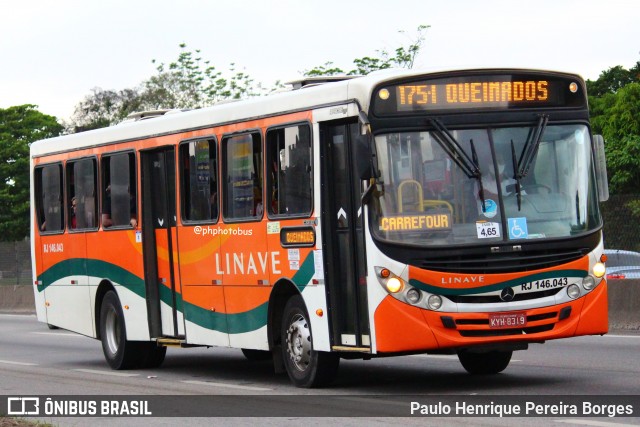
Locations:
{"points": [[474, 155], [529, 151], [451, 146], [516, 175], [531, 147]]}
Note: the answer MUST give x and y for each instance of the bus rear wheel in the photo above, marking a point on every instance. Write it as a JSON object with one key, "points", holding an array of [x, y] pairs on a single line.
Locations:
{"points": [[152, 356], [119, 352], [491, 362], [305, 366]]}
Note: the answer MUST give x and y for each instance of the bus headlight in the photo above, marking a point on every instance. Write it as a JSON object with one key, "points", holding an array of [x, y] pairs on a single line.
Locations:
{"points": [[588, 283], [573, 291], [599, 270], [392, 283], [434, 302], [395, 284], [413, 296]]}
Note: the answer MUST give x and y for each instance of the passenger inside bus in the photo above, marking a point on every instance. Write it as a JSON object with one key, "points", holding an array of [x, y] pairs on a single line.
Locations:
{"points": [[490, 181], [107, 218], [72, 212]]}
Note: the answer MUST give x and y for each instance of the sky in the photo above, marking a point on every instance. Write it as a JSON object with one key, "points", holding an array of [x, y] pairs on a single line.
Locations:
{"points": [[53, 53]]}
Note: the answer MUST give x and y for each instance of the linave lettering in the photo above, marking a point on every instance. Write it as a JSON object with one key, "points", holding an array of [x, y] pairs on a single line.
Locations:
{"points": [[248, 263], [465, 279]]}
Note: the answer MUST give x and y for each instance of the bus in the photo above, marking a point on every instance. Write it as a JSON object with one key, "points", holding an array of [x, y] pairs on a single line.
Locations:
{"points": [[404, 212]]}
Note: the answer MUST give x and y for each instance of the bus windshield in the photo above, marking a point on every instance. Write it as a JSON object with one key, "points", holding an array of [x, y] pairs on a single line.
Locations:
{"points": [[484, 185]]}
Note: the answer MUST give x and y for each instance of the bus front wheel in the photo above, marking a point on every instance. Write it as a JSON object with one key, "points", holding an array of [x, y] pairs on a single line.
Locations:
{"points": [[491, 362], [305, 366]]}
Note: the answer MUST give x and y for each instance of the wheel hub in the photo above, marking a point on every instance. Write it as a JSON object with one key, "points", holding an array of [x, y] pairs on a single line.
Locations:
{"points": [[299, 342]]}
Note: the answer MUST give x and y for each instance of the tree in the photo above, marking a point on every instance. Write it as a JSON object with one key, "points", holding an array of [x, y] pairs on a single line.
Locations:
{"points": [[190, 82], [19, 126], [105, 108], [614, 107], [610, 81], [619, 122], [187, 83], [404, 58]]}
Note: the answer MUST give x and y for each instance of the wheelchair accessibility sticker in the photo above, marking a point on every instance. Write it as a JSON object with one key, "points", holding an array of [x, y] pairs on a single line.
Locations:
{"points": [[518, 228]]}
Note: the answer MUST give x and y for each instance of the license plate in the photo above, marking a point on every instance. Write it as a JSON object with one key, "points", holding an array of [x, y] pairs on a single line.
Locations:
{"points": [[507, 320]]}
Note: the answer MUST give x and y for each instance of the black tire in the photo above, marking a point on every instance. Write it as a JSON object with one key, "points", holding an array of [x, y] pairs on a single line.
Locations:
{"points": [[305, 366], [488, 363], [120, 353], [152, 355], [256, 355]]}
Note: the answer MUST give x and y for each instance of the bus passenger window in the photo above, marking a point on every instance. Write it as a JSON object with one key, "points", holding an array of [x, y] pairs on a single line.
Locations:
{"points": [[119, 203], [242, 168], [49, 209], [289, 186], [81, 191], [199, 180]]}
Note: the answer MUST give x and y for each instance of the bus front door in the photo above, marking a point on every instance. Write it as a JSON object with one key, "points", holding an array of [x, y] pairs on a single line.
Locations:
{"points": [[162, 282], [343, 238]]}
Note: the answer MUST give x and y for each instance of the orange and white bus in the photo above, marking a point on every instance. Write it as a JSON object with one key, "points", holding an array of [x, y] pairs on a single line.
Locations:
{"points": [[450, 212]]}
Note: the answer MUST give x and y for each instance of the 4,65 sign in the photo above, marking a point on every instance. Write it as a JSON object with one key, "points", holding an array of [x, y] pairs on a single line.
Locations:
{"points": [[487, 230]]}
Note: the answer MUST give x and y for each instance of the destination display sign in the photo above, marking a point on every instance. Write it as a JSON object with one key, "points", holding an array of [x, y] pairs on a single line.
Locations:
{"points": [[297, 237], [420, 222], [478, 93]]}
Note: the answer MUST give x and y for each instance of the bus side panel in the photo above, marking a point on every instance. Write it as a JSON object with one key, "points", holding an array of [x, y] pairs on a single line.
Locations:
{"points": [[65, 282], [38, 291], [201, 278], [115, 256], [246, 264]]}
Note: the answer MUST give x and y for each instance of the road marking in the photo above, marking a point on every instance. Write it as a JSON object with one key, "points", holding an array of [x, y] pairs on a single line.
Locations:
{"points": [[10, 362], [437, 356], [595, 423], [111, 373], [59, 334], [16, 315], [447, 357], [239, 387], [622, 336]]}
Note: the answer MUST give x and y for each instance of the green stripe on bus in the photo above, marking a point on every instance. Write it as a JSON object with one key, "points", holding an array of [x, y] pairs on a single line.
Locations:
{"points": [[246, 321], [235, 323], [97, 268]]}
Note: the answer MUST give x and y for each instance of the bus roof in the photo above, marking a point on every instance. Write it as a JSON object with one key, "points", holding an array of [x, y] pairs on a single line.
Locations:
{"points": [[334, 91]]}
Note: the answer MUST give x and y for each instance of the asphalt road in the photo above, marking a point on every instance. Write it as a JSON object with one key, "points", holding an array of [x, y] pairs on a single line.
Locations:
{"points": [[37, 361]]}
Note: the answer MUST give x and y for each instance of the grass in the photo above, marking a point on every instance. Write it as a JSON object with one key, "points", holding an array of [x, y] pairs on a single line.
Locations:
{"points": [[21, 422]]}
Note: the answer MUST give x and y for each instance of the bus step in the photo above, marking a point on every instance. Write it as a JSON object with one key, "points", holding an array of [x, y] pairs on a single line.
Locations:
{"points": [[170, 342], [352, 349]]}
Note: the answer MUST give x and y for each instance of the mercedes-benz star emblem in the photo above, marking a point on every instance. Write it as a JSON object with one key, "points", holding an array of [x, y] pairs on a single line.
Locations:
{"points": [[507, 294]]}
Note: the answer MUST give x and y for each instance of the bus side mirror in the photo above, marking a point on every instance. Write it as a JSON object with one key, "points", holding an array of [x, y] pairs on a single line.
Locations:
{"points": [[363, 158], [601, 168], [363, 150]]}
